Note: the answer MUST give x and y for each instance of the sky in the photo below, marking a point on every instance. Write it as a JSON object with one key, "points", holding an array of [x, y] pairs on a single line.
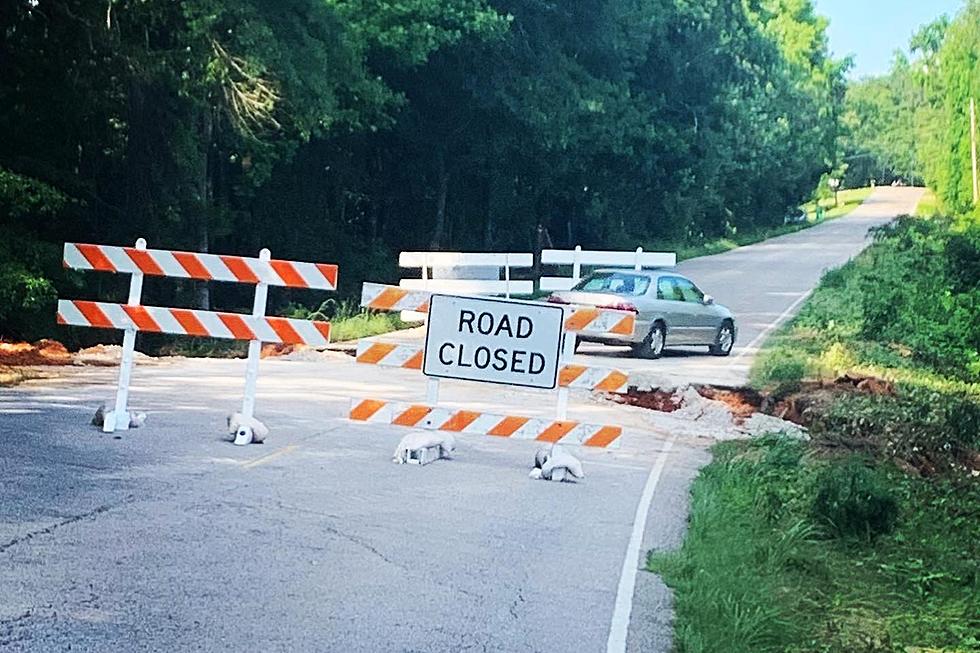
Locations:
{"points": [[871, 30]]}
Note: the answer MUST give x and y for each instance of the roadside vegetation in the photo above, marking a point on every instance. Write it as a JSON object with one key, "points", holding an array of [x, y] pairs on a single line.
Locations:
{"points": [[848, 199], [348, 321], [345, 132], [928, 205], [865, 538]]}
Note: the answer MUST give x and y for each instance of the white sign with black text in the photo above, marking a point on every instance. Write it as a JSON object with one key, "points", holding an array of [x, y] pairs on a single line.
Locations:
{"points": [[493, 341]]}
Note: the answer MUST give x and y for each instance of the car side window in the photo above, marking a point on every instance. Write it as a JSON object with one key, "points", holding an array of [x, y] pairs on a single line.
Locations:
{"points": [[665, 288], [687, 291]]}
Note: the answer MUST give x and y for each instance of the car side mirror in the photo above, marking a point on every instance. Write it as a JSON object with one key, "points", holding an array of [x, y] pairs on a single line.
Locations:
{"points": [[707, 300]]}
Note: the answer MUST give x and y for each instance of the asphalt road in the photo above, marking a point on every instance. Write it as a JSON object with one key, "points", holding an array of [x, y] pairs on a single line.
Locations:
{"points": [[171, 539], [763, 284]]}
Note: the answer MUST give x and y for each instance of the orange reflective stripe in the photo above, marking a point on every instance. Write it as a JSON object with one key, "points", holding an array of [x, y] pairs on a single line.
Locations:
{"points": [[189, 322], [508, 426], [242, 271], [142, 259], [192, 265], [94, 314], [569, 373], [411, 416], [460, 420], [288, 274], [624, 326], [238, 327], [323, 328], [415, 362], [329, 272], [580, 319], [93, 254], [604, 436], [387, 298], [613, 381], [375, 353], [141, 317], [556, 431], [366, 409], [287, 334]]}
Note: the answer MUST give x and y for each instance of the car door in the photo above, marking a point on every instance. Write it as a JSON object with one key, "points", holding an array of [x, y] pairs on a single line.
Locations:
{"points": [[702, 321], [680, 321]]}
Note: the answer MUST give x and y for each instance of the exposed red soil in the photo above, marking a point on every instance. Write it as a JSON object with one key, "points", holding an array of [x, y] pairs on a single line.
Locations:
{"points": [[272, 350], [660, 400], [43, 352], [798, 407]]}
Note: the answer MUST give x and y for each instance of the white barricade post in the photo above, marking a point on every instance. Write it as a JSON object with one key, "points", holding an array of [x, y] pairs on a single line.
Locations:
{"points": [[637, 259], [473, 341], [244, 434], [133, 316], [118, 419]]}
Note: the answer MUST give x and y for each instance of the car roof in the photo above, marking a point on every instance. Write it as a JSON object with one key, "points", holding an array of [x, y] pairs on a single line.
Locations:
{"points": [[648, 272]]}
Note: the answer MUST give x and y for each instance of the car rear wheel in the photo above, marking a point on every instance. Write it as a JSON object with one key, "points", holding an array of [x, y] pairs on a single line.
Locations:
{"points": [[724, 341], [652, 345]]}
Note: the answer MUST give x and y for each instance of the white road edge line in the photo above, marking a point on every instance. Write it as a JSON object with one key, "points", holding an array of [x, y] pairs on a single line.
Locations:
{"points": [[765, 332], [631, 564]]}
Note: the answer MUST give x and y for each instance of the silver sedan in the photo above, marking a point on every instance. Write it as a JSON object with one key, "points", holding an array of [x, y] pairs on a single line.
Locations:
{"points": [[670, 310]]}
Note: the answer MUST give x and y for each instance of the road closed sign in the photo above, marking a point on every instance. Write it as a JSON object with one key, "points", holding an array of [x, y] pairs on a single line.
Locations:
{"points": [[493, 341]]}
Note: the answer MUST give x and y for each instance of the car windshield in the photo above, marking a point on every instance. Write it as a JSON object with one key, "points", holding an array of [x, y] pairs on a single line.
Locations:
{"points": [[618, 283]]}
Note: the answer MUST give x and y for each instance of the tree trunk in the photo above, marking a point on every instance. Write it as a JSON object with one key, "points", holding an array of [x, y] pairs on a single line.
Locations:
{"points": [[442, 191], [205, 200]]}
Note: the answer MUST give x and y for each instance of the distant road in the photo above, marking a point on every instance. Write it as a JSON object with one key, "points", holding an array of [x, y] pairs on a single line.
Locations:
{"points": [[764, 284]]}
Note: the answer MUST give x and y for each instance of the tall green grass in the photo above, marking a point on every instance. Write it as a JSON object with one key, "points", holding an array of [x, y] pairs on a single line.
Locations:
{"points": [[799, 547], [348, 321], [761, 571]]}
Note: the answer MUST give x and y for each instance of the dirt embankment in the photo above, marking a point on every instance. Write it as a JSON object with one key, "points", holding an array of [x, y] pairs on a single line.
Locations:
{"points": [[51, 353], [725, 412]]}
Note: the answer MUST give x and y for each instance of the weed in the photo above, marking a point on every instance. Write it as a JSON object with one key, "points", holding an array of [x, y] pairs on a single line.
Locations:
{"points": [[851, 500]]}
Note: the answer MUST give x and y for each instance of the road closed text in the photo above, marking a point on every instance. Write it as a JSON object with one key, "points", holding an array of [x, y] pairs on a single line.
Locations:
{"points": [[495, 341]]}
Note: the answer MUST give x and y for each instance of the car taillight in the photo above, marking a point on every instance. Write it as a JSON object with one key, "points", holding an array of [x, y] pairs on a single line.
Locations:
{"points": [[555, 299], [623, 306]]}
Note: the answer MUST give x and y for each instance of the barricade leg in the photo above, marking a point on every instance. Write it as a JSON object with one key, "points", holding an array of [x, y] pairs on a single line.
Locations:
{"points": [[567, 353], [244, 434], [118, 418]]}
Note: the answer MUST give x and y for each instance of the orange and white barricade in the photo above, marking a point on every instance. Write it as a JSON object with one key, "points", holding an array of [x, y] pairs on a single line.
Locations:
{"points": [[480, 423], [409, 356], [575, 319], [132, 316]]}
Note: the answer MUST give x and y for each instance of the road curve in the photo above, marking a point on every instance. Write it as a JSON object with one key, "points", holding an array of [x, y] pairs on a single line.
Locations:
{"points": [[764, 284]]}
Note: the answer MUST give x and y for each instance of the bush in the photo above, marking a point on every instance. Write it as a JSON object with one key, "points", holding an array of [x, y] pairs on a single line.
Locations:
{"points": [[934, 430], [853, 500]]}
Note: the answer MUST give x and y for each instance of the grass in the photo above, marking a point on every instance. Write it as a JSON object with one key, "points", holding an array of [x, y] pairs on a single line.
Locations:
{"points": [[847, 200], [850, 199], [364, 325], [786, 551], [758, 573], [928, 205], [348, 321]]}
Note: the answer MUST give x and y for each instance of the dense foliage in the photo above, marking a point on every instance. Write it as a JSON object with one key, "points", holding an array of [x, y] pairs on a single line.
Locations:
{"points": [[914, 123], [788, 552], [906, 310], [347, 131]]}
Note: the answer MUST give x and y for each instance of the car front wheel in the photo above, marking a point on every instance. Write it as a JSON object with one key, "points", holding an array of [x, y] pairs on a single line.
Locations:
{"points": [[652, 345], [724, 341]]}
